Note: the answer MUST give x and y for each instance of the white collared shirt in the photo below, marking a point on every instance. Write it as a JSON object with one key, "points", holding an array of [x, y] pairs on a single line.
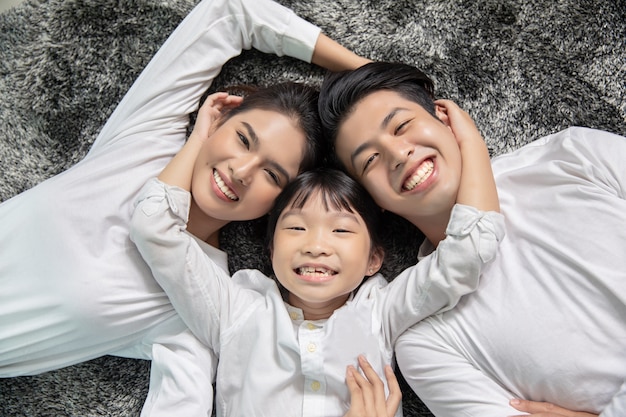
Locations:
{"points": [[272, 361]]}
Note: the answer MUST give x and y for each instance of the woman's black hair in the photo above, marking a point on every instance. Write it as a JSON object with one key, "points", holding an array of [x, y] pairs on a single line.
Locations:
{"points": [[338, 191], [341, 91], [294, 100]]}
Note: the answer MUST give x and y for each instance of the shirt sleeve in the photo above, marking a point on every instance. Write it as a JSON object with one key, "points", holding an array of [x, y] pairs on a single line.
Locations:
{"points": [[170, 86], [617, 406], [197, 287], [437, 282]]}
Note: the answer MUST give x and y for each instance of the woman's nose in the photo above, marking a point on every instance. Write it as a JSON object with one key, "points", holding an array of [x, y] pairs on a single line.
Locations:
{"points": [[243, 169]]}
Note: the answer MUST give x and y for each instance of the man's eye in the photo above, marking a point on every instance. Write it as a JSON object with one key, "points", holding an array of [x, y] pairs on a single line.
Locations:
{"points": [[244, 140], [401, 126]]}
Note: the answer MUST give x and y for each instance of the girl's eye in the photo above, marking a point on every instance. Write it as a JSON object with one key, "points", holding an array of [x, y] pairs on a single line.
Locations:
{"points": [[341, 231], [369, 161], [244, 140], [299, 228]]}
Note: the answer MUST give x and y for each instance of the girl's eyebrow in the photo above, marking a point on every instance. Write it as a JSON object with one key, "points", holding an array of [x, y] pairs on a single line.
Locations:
{"points": [[334, 213], [255, 139]]}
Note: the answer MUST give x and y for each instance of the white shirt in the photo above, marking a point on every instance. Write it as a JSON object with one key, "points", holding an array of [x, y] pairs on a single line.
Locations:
{"points": [[272, 361], [548, 320]]}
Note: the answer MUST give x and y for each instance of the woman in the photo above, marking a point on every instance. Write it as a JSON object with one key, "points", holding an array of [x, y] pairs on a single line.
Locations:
{"points": [[547, 320], [73, 285]]}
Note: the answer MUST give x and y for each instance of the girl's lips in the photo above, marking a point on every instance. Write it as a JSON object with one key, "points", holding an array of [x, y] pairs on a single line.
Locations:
{"points": [[315, 274], [225, 192], [420, 177]]}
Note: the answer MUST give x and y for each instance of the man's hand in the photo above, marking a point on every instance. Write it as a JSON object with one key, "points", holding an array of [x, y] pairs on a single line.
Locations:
{"points": [[541, 409]]}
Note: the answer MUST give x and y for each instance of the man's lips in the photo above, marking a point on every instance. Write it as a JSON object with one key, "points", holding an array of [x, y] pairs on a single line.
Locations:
{"points": [[225, 189], [419, 175]]}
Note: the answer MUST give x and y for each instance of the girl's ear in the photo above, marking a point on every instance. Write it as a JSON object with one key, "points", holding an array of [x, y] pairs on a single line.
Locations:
{"points": [[375, 261]]}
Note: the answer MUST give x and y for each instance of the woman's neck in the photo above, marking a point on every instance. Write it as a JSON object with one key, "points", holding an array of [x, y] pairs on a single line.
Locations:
{"points": [[204, 227]]}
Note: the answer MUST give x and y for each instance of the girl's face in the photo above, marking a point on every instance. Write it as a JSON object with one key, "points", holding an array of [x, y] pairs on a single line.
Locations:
{"points": [[320, 255], [408, 160], [245, 163]]}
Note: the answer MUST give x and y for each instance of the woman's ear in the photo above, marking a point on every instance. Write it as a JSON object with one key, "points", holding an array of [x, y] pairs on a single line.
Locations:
{"points": [[376, 261]]}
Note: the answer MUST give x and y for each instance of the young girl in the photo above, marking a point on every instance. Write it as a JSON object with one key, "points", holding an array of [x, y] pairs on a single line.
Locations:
{"points": [[73, 285], [284, 345]]}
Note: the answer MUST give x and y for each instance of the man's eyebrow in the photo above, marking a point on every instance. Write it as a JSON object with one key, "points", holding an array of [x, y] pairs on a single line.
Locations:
{"points": [[255, 139], [383, 125]]}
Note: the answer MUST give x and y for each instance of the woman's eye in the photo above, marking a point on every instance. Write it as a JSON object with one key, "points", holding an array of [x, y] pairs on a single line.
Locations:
{"points": [[244, 140], [275, 178]]}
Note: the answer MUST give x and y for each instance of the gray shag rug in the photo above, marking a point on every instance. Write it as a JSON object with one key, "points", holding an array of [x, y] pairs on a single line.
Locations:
{"points": [[522, 69]]}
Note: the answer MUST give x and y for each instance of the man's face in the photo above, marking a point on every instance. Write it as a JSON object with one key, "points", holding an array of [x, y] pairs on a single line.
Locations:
{"points": [[408, 160]]}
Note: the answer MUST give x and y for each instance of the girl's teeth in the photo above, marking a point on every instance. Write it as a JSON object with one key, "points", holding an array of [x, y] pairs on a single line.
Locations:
{"points": [[420, 176], [222, 186], [314, 271]]}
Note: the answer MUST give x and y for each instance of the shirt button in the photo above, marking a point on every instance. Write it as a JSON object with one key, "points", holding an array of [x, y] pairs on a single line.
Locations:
{"points": [[311, 326], [315, 385], [293, 315], [311, 347]]}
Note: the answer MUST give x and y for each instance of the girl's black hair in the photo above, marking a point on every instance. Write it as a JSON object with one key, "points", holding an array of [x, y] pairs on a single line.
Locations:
{"points": [[338, 191], [341, 91], [296, 101]]}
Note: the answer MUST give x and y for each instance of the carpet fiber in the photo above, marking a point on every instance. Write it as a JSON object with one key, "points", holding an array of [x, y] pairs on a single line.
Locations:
{"points": [[522, 69]]}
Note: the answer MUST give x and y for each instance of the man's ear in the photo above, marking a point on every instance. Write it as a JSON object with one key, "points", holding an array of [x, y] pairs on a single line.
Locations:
{"points": [[442, 114], [375, 261]]}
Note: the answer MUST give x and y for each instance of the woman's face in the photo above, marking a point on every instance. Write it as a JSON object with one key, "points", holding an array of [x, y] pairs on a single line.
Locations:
{"points": [[245, 163], [408, 160]]}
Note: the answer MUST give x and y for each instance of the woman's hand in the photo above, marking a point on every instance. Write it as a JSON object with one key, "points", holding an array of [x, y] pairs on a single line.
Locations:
{"points": [[541, 409], [367, 392], [210, 112], [179, 170]]}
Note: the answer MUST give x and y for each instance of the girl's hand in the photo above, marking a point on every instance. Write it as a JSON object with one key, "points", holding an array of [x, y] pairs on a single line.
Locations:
{"points": [[460, 122], [367, 392], [210, 112], [540, 409]]}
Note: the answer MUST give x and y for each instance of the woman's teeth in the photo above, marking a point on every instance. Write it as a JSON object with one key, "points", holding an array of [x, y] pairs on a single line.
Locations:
{"points": [[223, 187], [422, 173]]}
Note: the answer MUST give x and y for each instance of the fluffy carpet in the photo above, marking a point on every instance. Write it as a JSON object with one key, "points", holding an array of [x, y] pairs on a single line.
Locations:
{"points": [[522, 69]]}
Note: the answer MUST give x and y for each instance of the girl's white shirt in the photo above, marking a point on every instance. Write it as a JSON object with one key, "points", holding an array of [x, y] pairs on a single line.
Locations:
{"points": [[273, 362]]}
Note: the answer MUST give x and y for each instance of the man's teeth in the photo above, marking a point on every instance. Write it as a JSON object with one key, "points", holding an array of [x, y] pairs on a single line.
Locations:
{"points": [[306, 270], [420, 175], [223, 187]]}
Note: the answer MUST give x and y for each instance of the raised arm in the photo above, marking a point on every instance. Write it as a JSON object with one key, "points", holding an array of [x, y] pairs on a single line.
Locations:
{"points": [[196, 286], [334, 57], [478, 187], [169, 88]]}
